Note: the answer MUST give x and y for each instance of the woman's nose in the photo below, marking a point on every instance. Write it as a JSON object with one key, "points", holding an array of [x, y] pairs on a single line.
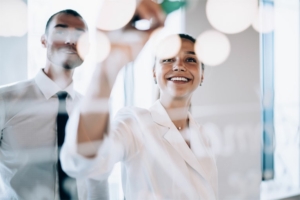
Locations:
{"points": [[179, 67]]}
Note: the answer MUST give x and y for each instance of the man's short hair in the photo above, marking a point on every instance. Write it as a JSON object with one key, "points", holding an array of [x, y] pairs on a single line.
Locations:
{"points": [[67, 11]]}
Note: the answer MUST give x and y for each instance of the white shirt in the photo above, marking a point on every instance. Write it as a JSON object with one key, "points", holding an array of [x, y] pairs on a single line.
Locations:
{"points": [[156, 161], [28, 149]]}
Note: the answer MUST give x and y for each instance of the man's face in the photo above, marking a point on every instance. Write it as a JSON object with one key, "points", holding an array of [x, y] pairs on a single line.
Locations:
{"points": [[61, 39]]}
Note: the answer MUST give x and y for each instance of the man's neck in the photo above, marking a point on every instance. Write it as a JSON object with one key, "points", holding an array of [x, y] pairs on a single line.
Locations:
{"points": [[61, 76]]}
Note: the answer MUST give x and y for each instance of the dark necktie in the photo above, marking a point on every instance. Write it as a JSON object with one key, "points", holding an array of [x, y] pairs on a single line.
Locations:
{"points": [[67, 185]]}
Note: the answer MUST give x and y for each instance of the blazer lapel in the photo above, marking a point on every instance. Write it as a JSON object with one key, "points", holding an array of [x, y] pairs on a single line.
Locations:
{"points": [[173, 136]]}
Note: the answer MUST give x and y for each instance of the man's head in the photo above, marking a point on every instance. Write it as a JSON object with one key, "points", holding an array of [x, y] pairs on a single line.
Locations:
{"points": [[62, 32]]}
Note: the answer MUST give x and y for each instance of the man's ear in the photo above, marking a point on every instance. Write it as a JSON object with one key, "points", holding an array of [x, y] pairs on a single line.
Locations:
{"points": [[154, 75], [44, 41]]}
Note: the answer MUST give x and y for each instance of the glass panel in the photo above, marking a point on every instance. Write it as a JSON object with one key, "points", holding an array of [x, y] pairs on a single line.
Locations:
{"points": [[285, 77]]}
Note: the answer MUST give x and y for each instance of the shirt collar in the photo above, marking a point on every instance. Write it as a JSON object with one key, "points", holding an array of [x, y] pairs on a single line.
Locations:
{"points": [[49, 88]]}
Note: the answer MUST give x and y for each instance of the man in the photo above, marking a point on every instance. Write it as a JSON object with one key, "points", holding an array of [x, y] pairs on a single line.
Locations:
{"points": [[33, 116]]}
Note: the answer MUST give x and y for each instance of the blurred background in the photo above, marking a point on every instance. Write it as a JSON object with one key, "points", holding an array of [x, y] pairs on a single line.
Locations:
{"points": [[248, 103]]}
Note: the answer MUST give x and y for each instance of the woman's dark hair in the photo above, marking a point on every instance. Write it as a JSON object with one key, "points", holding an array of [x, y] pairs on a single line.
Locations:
{"points": [[190, 38]]}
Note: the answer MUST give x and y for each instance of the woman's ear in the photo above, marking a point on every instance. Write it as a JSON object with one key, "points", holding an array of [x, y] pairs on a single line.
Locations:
{"points": [[202, 74], [201, 81], [44, 41]]}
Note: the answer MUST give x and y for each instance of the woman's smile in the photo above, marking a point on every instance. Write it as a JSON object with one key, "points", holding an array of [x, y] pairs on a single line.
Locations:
{"points": [[180, 75], [179, 79]]}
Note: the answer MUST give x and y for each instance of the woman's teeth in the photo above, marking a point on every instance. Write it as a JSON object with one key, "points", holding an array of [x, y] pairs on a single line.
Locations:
{"points": [[179, 79]]}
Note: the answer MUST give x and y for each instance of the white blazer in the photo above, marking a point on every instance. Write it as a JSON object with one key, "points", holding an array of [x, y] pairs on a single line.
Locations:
{"points": [[156, 161]]}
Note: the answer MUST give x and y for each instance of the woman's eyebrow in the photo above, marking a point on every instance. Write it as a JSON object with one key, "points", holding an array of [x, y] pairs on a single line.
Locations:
{"points": [[190, 52]]}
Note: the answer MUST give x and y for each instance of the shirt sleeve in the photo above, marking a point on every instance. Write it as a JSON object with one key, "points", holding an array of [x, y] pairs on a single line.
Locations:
{"points": [[90, 189], [2, 117], [97, 189], [3, 190], [114, 148], [6, 192]]}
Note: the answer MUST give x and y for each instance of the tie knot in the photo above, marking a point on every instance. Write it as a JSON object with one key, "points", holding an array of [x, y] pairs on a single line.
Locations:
{"points": [[62, 95]]}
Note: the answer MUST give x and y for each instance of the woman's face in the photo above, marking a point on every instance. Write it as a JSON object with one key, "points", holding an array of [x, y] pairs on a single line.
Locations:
{"points": [[179, 76]]}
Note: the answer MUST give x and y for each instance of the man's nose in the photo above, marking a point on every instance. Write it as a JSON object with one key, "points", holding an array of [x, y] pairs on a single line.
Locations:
{"points": [[70, 39]]}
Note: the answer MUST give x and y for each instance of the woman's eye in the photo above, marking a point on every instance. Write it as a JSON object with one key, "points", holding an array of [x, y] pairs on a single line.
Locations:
{"points": [[167, 60], [191, 60]]}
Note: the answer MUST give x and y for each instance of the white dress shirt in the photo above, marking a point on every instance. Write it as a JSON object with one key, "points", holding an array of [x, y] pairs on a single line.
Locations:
{"points": [[156, 161], [28, 136]]}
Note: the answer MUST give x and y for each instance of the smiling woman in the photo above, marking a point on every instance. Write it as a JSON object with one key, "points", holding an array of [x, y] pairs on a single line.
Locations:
{"points": [[162, 148], [181, 73]]}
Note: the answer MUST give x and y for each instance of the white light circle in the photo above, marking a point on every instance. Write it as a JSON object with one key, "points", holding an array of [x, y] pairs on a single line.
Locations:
{"points": [[99, 47], [83, 46], [114, 14], [143, 24], [168, 47], [212, 47], [264, 20], [231, 16], [13, 18]]}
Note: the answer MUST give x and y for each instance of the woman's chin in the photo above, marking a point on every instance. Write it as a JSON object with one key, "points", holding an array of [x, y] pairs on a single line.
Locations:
{"points": [[181, 95]]}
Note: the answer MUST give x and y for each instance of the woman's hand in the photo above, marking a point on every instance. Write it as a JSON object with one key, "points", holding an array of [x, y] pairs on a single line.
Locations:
{"points": [[128, 42]]}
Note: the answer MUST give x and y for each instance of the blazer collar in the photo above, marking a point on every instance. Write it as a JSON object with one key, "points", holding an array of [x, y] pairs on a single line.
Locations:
{"points": [[160, 115], [173, 136]]}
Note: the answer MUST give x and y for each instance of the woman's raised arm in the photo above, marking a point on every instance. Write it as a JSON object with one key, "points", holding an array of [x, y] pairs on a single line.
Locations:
{"points": [[94, 116]]}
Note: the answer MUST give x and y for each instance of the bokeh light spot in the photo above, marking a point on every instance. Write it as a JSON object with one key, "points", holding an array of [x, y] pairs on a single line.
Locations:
{"points": [[13, 18], [143, 24], [231, 16], [212, 47], [83, 45], [168, 47], [114, 14], [264, 20], [99, 47]]}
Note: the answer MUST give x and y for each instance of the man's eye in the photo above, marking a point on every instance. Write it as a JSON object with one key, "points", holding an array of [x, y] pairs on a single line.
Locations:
{"points": [[78, 33], [60, 32]]}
